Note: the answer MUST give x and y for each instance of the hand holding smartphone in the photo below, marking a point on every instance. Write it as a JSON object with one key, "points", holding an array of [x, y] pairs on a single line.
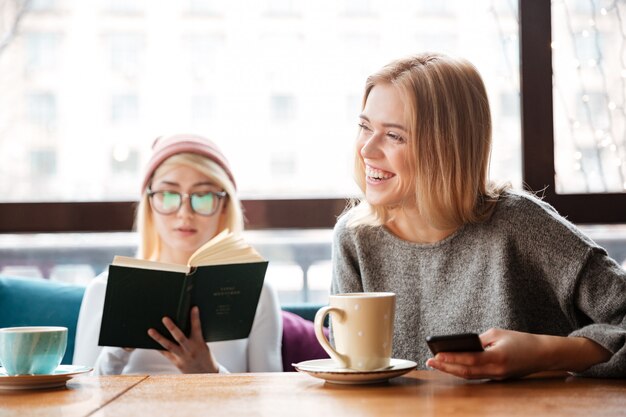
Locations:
{"points": [[463, 342]]}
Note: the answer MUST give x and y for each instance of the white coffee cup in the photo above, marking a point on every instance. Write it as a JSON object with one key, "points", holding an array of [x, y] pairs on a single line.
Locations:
{"points": [[32, 350], [362, 326]]}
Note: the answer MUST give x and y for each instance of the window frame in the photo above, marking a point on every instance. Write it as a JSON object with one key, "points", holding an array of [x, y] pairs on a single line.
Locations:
{"points": [[538, 170], [114, 216], [537, 120]]}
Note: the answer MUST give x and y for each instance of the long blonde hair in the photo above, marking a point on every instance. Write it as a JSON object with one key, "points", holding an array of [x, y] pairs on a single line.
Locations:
{"points": [[149, 239], [449, 127]]}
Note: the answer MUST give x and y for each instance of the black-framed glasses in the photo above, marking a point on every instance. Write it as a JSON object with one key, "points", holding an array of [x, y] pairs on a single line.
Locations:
{"points": [[169, 202]]}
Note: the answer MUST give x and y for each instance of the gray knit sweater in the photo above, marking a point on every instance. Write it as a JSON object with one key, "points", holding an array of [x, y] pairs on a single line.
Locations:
{"points": [[525, 269]]}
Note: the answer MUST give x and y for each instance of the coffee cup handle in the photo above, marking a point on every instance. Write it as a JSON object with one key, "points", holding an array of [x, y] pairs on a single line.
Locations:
{"points": [[319, 333]]}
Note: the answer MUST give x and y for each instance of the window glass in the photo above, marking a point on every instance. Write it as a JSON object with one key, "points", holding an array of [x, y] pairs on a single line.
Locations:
{"points": [[41, 110], [126, 53], [41, 51], [124, 6], [277, 84], [124, 109], [589, 107], [41, 5], [202, 109], [283, 107], [43, 162]]}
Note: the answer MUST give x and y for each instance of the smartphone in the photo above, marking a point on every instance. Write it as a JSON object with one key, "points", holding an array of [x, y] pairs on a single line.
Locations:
{"points": [[464, 342]]}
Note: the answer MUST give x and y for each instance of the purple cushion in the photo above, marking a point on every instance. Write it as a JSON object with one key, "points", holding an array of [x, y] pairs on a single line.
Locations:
{"points": [[299, 341]]}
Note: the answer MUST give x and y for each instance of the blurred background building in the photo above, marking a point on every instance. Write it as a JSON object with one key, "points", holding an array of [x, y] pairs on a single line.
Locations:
{"points": [[88, 85]]}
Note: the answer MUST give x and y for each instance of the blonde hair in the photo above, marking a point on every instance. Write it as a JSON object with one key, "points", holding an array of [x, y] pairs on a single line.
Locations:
{"points": [[449, 144], [149, 239]]}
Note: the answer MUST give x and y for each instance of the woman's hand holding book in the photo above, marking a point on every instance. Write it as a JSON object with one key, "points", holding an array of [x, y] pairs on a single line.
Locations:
{"points": [[189, 354]]}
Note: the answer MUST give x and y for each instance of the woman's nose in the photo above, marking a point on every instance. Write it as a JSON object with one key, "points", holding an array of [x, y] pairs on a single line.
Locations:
{"points": [[370, 147], [185, 207]]}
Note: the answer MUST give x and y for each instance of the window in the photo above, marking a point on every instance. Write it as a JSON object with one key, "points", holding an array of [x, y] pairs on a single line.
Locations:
{"points": [[126, 52], [41, 110], [432, 41], [588, 84], [41, 5], [353, 106], [283, 107], [42, 51], [283, 54], [591, 110], [509, 105], [249, 81], [43, 162], [125, 6], [203, 54], [283, 165], [587, 46], [124, 109], [578, 165], [202, 109]]}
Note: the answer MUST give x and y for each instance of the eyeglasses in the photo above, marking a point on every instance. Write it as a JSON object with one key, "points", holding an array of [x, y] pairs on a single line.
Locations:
{"points": [[169, 202]]}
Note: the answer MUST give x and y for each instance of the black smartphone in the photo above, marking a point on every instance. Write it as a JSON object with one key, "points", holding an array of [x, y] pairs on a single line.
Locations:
{"points": [[464, 342]]}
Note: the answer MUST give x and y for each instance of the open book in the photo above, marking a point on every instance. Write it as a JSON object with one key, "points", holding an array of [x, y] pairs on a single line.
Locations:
{"points": [[224, 278]]}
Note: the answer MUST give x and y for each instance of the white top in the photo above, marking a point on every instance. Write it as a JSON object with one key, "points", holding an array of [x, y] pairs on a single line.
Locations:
{"points": [[260, 352]]}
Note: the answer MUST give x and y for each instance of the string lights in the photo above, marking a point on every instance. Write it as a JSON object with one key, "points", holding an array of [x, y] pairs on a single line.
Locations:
{"points": [[597, 132]]}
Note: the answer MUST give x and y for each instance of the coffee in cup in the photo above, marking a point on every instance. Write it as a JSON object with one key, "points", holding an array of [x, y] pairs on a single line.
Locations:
{"points": [[362, 325], [32, 350]]}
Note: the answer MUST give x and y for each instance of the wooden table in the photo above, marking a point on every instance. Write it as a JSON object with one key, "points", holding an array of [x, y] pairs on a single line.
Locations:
{"points": [[81, 397], [421, 393]]}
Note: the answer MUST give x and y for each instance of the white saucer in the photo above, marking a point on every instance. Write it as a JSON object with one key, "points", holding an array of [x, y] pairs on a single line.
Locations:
{"points": [[327, 370], [57, 379]]}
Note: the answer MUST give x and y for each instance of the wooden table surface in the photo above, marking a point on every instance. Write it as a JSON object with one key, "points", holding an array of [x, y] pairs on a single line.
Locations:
{"points": [[420, 393], [80, 397]]}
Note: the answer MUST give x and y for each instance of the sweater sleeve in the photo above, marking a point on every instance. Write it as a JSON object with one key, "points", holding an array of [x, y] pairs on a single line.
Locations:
{"points": [[111, 361], [88, 328], [346, 272], [265, 338], [600, 311]]}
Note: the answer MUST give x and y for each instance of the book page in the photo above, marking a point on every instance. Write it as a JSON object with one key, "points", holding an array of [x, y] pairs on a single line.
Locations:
{"points": [[225, 248], [143, 264]]}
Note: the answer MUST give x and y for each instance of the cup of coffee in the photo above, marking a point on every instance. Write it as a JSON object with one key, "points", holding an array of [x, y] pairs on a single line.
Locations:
{"points": [[362, 325], [32, 350]]}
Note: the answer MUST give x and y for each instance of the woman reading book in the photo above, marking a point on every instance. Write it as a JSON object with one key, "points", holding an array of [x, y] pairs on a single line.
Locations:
{"points": [[461, 253], [189, 197]]}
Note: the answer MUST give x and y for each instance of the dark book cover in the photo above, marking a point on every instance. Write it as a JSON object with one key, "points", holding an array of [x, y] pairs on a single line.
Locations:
{"points": [[137, 299]]}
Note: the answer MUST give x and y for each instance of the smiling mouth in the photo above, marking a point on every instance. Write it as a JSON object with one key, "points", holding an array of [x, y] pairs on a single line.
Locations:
{"points": [[377, 175]]}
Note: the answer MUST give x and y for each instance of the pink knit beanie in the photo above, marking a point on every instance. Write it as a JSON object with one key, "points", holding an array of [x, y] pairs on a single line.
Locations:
{"points": [[166, 146]]}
